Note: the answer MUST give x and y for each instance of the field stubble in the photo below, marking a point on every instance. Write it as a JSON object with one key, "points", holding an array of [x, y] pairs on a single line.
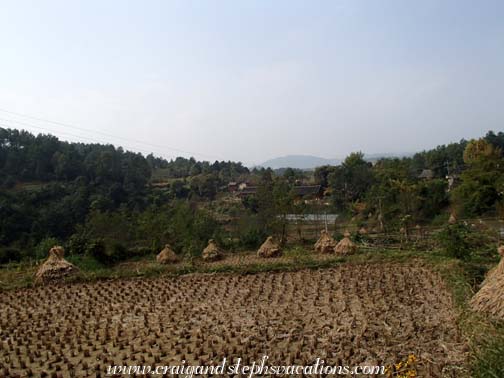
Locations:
{"points": [[348, 315]]}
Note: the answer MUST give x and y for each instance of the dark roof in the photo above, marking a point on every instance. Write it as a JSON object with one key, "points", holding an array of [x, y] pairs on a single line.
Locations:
{"points": [[306, 190], [249, 190], [426, 173], [299, 190]]}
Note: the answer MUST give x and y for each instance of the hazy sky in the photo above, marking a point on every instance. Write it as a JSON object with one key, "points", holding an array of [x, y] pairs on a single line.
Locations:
{"points": [[252, 80]]}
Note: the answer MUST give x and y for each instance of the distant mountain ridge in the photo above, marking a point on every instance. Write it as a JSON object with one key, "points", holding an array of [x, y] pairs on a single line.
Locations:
{"points": [[299, 162], [312, 162]]}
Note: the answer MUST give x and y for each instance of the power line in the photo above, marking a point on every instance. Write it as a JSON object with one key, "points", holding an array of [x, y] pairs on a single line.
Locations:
{"points": [[94, 140], [76, 136], [107, 134]]}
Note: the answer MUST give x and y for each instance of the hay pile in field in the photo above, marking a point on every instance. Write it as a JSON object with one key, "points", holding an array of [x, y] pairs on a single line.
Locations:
{"points": [[269, 249], [167, 256], [490, 298], [325, 244], [55, 267], [497, 270], [345, 246], [211, 252]]}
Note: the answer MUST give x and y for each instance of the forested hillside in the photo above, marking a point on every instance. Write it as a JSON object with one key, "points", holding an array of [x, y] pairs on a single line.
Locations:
{"points": [[467, 177], [49, 187], [103, 201]]}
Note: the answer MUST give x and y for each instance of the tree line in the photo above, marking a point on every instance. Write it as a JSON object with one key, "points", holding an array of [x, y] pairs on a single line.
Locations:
{"points": [[98, 199], [50, 188], [466, 178]]}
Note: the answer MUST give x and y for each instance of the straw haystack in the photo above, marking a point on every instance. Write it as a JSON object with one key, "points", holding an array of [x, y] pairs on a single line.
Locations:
{"points": [[490, 298], [55, 267], [498, 270], [325, 244], [167, 256], [269, 249], [211, 252], [345, 246]]}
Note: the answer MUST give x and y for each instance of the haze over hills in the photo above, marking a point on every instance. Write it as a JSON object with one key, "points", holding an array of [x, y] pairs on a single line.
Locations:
{"points": [[299, 162], [312, 162]]}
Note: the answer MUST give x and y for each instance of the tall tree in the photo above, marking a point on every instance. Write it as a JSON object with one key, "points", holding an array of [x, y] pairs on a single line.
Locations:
{"points": [[482, 182]]}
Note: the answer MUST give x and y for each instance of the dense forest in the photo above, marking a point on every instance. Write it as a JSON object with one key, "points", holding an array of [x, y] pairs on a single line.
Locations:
{"points": [[467, 176], [48, 188], [112, 204]]}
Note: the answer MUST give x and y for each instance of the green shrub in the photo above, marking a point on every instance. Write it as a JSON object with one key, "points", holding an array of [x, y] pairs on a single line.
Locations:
{"points": [[77, 244], [475, 273], [483, 244], [440, 219], [464, 242], [141, 251], [107, 252], [42, 248], [299, 255], [454, 240], [118, 252], [86, 262], [97, 249], [252, 238], [360, 238], [338, 235], [192, 249], [227, 242], [190, 229]]}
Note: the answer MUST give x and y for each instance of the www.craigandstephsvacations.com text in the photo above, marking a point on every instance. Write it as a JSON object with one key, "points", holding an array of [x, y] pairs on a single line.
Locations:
{"points": [[260, 368]]}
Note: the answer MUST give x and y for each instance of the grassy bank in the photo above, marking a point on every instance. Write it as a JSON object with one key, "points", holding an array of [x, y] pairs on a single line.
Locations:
{"points": [[484, 336]]}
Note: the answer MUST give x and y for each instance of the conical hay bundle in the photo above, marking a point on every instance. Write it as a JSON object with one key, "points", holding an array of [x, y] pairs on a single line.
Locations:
{"points": [[167, 256], [345, 246], [55, 267], [269, 249], [490, 298], [211, 252], [498, 270], [325, 244]]}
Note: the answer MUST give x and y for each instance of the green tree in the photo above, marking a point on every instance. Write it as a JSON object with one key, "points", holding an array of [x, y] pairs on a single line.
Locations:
{"points": [[481, 187], [351, 180]]}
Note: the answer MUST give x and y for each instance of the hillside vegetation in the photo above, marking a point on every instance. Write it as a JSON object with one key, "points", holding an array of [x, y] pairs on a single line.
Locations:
{"points": [[111, 204]]}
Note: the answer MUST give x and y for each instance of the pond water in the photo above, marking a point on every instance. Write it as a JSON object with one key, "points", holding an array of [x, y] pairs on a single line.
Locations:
{"points": [[330, 218]]}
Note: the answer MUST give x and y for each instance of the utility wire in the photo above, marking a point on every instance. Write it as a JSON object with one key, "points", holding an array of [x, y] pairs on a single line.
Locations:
{"points": [[74, 135], [107, 134]]}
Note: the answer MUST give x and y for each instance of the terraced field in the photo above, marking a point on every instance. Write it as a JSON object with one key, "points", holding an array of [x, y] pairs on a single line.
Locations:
{"points": [[349, 315]]}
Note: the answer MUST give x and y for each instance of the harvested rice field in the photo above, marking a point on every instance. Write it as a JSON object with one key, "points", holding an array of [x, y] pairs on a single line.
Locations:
{"points": [[349, 315]]}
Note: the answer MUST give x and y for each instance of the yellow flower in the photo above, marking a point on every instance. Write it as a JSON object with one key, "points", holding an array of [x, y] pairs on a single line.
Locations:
{"points": [[411, 358]]}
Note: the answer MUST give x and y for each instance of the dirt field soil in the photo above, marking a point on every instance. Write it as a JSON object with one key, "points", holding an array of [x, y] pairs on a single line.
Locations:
{"points": [[367, 314]]}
